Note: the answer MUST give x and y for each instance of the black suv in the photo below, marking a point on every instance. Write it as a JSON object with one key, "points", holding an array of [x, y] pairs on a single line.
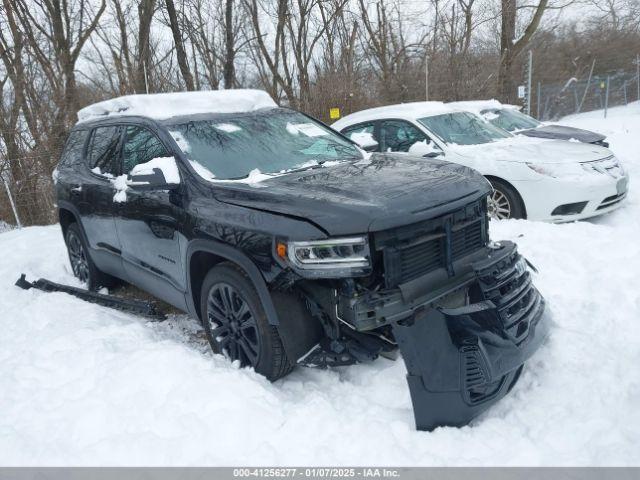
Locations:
{"points": [[292, 246]]}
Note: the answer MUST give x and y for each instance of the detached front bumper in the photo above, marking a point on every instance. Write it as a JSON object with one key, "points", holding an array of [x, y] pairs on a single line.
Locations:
{"points": [[461, 360]]}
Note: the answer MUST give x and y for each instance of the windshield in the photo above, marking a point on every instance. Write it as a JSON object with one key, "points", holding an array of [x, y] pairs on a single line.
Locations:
{"points": [[271, 141], [463, 128], [510, 119]]}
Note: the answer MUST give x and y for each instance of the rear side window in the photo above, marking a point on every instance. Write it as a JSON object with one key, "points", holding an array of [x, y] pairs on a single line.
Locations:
{"points": [[72, 153], [141, 146], [399, 136], [360, 132], [104, 149]]}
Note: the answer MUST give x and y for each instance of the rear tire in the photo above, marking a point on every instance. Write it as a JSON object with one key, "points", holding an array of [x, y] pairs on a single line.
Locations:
{"points": [[81, 263], [504, 202], [236, 324]]}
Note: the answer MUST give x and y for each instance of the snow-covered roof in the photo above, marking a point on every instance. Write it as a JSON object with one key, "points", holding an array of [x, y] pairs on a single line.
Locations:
{"points": [[477, 106], [411, 110], [166, 105]]}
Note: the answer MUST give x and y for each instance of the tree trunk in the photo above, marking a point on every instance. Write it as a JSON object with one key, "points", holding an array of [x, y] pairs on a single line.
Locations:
{"points": [[145, 14], [181, 54], [229, 70], [510, 48], [507, 39]]}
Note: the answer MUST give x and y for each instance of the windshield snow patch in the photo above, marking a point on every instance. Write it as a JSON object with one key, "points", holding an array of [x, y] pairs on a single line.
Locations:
{"points": [[227, 127], [308, 129]]}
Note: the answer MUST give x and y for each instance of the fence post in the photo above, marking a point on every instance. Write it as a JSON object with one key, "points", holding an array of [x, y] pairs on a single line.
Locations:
{"points": [[586, 88], [538, 103], [426, 78], [624, 87], [606, 98], [529, 73], [638, 74], [13, 205]]}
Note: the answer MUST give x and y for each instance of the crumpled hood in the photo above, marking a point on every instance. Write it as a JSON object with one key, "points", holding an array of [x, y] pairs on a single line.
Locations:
{"points": [[562, 132], [533, 150], [386, 191]]}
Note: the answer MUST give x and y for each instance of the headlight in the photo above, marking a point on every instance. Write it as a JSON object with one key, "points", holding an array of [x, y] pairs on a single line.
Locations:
{"points": [[333, 257], [557, 170]]}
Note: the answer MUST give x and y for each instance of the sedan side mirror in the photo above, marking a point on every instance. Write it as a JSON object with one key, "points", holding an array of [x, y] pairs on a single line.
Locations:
{"points": [[426, 149], [157, 174]]}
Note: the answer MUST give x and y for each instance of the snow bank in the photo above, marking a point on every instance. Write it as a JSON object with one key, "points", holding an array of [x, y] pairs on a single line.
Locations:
{"points": [[166, 105], [84, 385]]}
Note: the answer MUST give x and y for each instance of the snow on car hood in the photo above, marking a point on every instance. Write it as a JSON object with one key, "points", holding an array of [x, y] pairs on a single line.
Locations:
{"points": [[386, 191], [533, 150]]}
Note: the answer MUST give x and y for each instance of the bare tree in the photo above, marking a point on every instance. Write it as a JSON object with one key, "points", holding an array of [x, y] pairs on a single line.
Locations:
{"points": [[510, 47], [181, 54]]}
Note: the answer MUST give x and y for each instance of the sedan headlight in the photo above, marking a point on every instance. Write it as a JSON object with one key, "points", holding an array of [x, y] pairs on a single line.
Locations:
{"points": [[557, 170], [330, 258]]}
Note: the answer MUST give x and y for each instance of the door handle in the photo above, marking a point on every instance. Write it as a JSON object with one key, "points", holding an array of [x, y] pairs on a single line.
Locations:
{"points": [[76, 190]]}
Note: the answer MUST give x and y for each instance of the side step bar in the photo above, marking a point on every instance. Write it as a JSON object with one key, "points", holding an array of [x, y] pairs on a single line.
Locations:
{"points": [[139, 307]]}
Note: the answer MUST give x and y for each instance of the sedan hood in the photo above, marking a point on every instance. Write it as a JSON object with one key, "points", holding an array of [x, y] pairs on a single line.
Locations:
{"points": [[533, 150], [383, 192], [561, 132]]}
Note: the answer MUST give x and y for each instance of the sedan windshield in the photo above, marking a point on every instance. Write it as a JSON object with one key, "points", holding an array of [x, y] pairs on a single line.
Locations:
{"points": [[463, 128], [231, 146], [510, 119]]}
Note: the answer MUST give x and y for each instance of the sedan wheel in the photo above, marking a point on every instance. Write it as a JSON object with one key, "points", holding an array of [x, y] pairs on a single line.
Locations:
{"points": [[498, 205], [232, 325]]}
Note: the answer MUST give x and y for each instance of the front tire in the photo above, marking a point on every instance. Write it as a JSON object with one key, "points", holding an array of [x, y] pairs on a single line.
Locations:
{"points": [[81, 263], [236, 324], [504, 202]]}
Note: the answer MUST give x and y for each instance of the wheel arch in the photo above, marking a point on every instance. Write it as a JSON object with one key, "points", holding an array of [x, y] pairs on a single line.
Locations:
{"points": [[510, 185], [202, 255], [68, 214]]}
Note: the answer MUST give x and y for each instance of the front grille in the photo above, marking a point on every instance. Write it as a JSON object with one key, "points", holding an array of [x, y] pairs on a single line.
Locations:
{"points": [[420, 259], [466, 240], [508, 285], [416, 250]]}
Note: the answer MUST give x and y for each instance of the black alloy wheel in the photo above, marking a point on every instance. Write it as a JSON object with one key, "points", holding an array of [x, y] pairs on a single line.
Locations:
{"points": [[233, 325], [236, 324], [78, 257]]}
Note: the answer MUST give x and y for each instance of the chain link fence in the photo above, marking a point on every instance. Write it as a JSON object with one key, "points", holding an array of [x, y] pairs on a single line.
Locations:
{"points": [[34, 204], [599, 92]]}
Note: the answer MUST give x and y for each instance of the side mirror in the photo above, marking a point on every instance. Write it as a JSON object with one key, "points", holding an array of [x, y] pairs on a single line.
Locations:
{"points": [[157, 174], [426, 149], [365, 141]]}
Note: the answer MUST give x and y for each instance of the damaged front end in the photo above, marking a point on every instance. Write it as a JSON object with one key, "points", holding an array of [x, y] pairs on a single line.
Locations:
{"points": [[462, 311], [463, 359]]}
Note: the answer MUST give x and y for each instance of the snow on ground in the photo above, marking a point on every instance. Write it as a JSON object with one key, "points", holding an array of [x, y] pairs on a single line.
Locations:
{"points": [[85, 385]]}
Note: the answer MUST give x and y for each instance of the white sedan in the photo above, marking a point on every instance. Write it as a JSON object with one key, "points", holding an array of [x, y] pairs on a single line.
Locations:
{"points": [[538, 179]]}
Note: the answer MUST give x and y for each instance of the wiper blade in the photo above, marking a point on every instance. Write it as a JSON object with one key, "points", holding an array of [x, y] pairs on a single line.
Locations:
{"points": [[308, 167]]}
